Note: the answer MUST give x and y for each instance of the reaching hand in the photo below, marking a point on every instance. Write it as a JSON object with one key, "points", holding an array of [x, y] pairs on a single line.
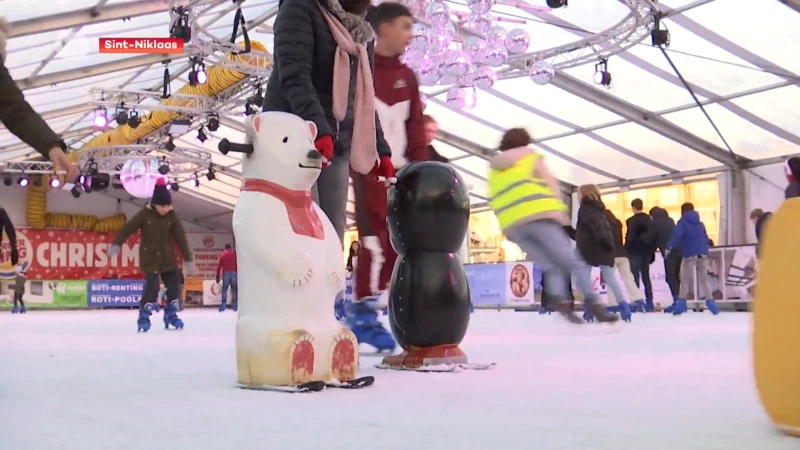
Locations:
{"points": [[384, 168], [113, 251], [62, 163], [324, 145]]}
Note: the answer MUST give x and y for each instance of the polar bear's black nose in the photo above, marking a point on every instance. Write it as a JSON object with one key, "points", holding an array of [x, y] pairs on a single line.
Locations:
{"points": [[314, 154]]}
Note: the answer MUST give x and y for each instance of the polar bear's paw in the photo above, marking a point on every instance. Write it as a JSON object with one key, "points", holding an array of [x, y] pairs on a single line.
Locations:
{"points": [[338, 280], [344, 356]]}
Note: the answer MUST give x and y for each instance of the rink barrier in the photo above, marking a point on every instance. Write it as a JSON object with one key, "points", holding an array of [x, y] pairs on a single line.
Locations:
{"points": [[518, 285]]}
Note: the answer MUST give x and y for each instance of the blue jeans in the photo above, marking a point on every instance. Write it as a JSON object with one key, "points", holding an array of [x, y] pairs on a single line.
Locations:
{"points": [[229, 279], [546, 244], [609, 276]]}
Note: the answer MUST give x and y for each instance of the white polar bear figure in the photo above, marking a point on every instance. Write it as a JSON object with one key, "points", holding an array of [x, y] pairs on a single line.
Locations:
{"points": [[290, 262]]}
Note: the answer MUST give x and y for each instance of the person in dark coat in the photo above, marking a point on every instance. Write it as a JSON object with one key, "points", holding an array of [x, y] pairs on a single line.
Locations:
{"points": [[160, 227], [8, 227], [640, 253], [658, 234], [793, 177], [302, 83], [623, 264], [595, 241], [759, 219], [23, 122]]}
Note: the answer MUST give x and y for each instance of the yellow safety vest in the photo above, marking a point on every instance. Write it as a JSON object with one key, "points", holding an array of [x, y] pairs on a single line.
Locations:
{"points": [[515, 195]]}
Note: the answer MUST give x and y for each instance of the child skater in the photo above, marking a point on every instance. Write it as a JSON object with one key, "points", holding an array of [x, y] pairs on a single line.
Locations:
{"points": [[19, 291], [399, 107], [526, 199], [160, 227]]}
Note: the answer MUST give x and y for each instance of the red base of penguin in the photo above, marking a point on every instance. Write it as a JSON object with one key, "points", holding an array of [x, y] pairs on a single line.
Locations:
{"points": [[416, 357]]}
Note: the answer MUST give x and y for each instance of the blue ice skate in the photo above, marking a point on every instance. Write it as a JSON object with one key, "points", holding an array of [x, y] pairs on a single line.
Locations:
{"points": [[171, 316], [649, 306], [612, 309], [15, 310], [222, 307], [711, 304], [234, 307], [671, 308], [680, 307], [23, 309], [625, 311], [638, 306], [339, 309], [156, 306], [362, 319], [587, 314], [143, 323]]}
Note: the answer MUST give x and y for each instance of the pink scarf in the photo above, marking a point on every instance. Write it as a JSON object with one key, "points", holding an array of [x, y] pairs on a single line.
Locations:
{"points": [[363, 150]]}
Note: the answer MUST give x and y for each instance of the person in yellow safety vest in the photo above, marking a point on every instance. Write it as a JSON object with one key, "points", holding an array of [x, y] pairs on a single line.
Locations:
{"points": [[525, 197]]}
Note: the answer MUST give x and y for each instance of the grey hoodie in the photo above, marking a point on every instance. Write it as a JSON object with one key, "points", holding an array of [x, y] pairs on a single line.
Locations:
{"points": [[507, 159]]}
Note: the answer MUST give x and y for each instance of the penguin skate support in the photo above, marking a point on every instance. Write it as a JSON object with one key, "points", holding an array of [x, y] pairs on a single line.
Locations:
{"points": [[429, 300]]}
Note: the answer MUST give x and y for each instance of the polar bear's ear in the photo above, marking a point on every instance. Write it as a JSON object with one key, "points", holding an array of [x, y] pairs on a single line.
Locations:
{"points": [[312, 128]]}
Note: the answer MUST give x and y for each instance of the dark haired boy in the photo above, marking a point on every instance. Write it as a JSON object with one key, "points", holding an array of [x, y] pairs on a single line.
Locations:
{"points": [[640, 253], [399, 107]]}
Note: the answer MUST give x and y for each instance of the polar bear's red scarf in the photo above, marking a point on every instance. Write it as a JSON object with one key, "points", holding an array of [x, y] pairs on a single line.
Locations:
{"points": [[299, 206]]}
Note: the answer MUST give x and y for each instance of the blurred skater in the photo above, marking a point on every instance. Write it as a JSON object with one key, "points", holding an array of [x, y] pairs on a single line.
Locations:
{"points": [[160, 226], [661, 228], [524, 196], [690, 235], [622, 263], [399, 107], [640, 253], [19, 291], [227, 272]]}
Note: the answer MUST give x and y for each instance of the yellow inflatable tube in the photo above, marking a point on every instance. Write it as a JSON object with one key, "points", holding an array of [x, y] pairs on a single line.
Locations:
{"points": [[776, 336]]}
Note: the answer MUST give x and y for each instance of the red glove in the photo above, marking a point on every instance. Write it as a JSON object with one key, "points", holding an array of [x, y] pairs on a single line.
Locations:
{"points": [[324, 145], [384, 168]]}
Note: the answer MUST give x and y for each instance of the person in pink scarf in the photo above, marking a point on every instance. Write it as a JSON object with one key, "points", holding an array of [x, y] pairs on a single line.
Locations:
{"points": [[323, 73]]}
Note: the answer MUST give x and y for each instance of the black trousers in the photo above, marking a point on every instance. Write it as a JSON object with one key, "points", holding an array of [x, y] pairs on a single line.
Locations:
{"points": [[18, 299], [672, 270], [548, 301], [640, 266], [152, 283]]}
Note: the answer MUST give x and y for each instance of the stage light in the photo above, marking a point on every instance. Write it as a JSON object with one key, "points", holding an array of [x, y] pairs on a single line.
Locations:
{"points": [[75, 191], [100, 117], [601, 74], [121, 116], [23, 181], [179, 28], [197, 75], [163, 168], [194, 182], [212, 122], [170, 145], [133, 119], [211, 175], [7, 181], [555, 4], [175, 186], [54, 182], [201, 135]]}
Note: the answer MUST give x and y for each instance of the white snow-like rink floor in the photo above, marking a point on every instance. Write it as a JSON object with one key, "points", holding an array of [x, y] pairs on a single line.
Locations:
{"points": [[86, 380]]}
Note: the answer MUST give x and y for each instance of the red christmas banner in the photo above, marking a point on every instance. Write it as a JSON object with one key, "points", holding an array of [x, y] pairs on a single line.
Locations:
{"points": [[70, 255], [58, 254]]}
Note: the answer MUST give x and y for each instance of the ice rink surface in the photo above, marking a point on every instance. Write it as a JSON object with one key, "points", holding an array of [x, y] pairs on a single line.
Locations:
{"points": [[86, 380]]}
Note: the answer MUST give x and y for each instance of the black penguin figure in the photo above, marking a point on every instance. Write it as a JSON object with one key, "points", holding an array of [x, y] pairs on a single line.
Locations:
{"points": [[429, 303]]}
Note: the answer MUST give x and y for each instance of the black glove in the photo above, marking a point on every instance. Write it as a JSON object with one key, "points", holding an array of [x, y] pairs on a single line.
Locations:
{"points": [[14, 255]]}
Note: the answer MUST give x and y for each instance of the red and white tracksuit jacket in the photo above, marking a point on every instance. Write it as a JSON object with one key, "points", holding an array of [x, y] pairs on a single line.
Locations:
{"points": [[399, 107]]}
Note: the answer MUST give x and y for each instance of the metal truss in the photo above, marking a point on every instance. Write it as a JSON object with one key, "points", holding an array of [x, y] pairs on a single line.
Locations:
{"points": [[88, 16], [794, 4], [229, 102], [181, 160], [630, 31], [30, 167], [217, 51]]}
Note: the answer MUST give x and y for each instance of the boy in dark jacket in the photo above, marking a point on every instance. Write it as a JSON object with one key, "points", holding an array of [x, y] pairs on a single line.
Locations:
{"points": [[160, 227], [19, 291], [690, 235], [640, 253], [661, 229]]}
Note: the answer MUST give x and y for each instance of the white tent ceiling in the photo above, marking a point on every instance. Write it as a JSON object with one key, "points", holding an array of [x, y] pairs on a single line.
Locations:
{"points": [[738, 57]]}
